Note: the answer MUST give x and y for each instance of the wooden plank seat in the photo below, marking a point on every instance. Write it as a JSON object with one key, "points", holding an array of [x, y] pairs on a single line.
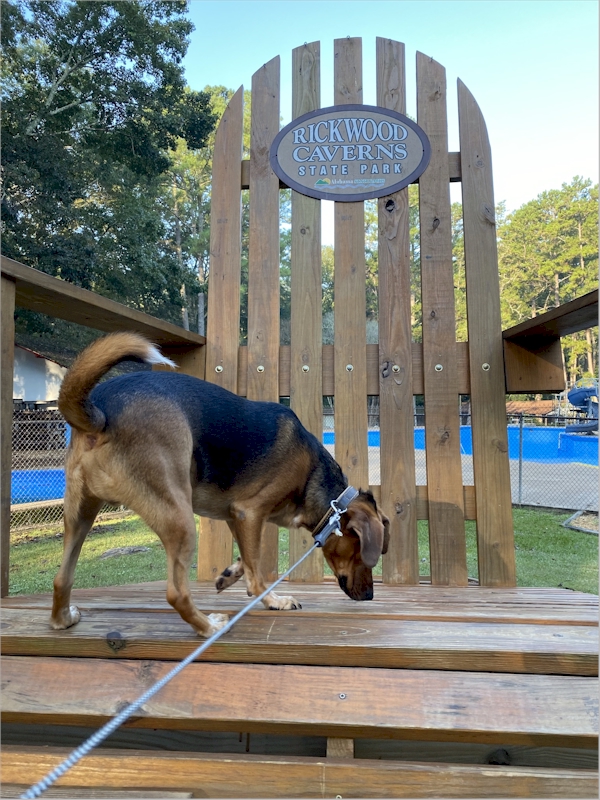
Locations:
{"points": [[428, 671], [257, 776], [367, 635], [438, 705]]}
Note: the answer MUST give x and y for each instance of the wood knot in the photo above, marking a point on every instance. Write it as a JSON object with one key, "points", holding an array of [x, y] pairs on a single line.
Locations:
{"points": [[115, 641], [488, 213]]}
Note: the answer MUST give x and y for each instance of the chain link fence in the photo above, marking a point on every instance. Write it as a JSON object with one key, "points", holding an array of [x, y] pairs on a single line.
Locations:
{"points": [[549, 465], [40, 437]]}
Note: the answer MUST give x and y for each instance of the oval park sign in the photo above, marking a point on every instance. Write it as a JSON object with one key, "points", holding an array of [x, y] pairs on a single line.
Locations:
{"points": [[350, 153]]}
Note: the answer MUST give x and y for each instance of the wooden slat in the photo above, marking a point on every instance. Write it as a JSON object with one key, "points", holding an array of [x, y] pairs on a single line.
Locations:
{"points": [[453, 170], [40, 292], [263, 264], [375, 703], [7, 345], [306, 387], [395, 362], [318, 640], [447, 542], [577, 315], [495, 536], [279, 776], [350, 296], [523, 605], [215, 547]]}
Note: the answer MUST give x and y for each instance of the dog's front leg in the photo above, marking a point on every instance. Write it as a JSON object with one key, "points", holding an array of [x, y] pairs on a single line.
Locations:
{"points": [[247, 530]]}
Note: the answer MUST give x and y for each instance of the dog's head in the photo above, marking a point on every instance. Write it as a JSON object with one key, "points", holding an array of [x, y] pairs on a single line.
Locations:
{"points": [[353, 555]]}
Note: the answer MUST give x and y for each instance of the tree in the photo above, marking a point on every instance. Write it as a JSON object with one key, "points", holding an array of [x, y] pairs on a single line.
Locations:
{"points": [[93, 98]]}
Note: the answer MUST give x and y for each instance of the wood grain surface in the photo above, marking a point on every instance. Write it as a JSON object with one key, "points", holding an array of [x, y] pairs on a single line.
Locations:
{"points": [[215, 543], [306, 361], [395, 363], [259, 776], [447, 541], [328, 701], [288, 637]]}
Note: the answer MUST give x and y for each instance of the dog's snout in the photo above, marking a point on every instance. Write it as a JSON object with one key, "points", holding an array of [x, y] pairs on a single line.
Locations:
{"points": [[355, 592]]}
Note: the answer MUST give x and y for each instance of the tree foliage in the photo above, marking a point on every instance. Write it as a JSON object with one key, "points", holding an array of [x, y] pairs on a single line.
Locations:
{"points": [[94, 99]]}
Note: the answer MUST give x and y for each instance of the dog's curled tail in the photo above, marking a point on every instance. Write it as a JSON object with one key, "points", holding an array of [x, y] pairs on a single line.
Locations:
{"points": [[74, 398]]}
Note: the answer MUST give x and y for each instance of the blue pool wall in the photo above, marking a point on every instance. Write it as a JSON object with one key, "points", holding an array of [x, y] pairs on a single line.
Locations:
{"points": [[541, 444], [546, 445]]}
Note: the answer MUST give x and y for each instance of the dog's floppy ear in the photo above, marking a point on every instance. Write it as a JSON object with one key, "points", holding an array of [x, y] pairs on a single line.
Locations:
{"points": [[371, 532]]}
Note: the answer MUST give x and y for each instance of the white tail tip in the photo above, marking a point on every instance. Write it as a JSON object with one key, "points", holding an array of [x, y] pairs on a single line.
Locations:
{"points": [[156, 357]]}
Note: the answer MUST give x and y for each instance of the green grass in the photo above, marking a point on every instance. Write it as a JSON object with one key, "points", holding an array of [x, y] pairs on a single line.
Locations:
{"points": [[547, 555]]}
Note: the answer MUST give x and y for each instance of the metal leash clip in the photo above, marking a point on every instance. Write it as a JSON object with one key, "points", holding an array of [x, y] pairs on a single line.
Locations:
{"points": [[339, 506]]}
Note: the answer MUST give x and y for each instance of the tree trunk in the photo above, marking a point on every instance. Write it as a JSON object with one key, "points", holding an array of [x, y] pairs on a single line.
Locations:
{"points": [[590, 352]]}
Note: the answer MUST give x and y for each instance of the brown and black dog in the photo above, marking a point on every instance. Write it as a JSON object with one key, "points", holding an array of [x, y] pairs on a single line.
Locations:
{"points": [[168, 445]]}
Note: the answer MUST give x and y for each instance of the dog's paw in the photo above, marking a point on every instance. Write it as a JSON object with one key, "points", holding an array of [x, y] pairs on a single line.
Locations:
{"points": [[229, 576], [276, 602], [66, 618], [217, 621]]}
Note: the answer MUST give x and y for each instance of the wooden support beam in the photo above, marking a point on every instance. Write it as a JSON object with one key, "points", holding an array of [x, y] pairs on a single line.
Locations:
{"points": [[40, 292], [577, 315], [6, 412], [454, 171], [533, 364], [340, 748]]}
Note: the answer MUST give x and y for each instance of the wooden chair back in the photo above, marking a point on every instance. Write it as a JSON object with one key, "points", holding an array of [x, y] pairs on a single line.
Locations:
{"points": [[397, 368]]}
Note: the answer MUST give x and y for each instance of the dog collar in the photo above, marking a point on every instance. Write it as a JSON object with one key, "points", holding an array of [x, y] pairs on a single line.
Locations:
{"points": [[330, 522]]}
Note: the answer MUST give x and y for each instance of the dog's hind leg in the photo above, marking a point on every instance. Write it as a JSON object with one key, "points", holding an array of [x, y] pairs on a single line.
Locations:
{"points": [[79, 515], [176, 528]]}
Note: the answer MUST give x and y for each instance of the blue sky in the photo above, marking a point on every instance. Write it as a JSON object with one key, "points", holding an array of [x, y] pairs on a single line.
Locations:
{"points": [[532, 65]]}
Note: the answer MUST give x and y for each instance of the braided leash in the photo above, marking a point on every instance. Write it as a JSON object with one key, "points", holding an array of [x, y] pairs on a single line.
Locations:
{"points": [[339, 506]]}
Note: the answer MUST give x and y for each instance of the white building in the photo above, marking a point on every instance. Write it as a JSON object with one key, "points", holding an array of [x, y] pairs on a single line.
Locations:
{"points": [[35, 377]]}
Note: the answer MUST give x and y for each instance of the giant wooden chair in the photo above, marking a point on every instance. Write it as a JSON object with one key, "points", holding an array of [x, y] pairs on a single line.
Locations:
{"points": [[457, 687]]}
